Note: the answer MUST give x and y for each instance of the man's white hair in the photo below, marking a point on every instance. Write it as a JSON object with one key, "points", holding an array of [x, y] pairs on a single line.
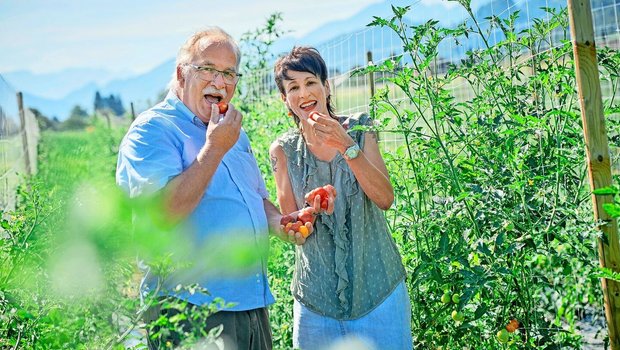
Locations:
{"points": [[191, 47]]}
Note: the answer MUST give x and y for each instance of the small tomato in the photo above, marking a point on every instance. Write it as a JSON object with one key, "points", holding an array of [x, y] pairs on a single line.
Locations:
{"points": [[457, 316], [445, 298], [502, 336], [223, 106], [304, 231], [456, 298]]}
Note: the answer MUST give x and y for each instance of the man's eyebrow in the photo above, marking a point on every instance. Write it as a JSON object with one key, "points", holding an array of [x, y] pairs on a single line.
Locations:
{"points": [[211, 65]]}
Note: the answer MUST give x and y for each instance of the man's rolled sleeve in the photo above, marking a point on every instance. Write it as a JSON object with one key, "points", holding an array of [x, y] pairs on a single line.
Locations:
{"points": [[148, 159]]}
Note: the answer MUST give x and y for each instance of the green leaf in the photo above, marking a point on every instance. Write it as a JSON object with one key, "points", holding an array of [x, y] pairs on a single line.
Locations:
{"points": [[609, 190], [612, 209], [443, 243], [607, 273], [480, 311]]}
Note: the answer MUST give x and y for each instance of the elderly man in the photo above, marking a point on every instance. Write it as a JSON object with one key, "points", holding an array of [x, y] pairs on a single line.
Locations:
{"points": [[200, 161]]}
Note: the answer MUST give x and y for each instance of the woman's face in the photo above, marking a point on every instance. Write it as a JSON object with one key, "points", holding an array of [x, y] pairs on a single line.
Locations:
{"points": [[305, 93]]}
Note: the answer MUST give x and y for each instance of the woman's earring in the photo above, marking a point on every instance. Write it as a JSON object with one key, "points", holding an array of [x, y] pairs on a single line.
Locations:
{"points": [[290, 114]]}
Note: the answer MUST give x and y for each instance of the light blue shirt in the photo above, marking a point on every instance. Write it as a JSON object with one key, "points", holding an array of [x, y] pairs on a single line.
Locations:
{"points": [[160, 144]]}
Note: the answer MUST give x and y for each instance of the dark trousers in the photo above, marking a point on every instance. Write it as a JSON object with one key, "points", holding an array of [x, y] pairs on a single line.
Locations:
{"points": [[241, 329]]}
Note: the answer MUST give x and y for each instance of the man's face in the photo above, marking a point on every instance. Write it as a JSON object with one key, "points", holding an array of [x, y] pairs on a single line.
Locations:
{"points": [[200, 88]]}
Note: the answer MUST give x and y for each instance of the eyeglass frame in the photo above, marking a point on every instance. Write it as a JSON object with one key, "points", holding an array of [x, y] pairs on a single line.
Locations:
{"points": [[215, 72]]}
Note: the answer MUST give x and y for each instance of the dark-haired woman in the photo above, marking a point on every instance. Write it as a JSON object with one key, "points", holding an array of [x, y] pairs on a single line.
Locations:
{"points": [[349, 277]]}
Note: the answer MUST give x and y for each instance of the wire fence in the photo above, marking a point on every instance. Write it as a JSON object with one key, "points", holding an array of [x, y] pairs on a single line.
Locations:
{"points": [[348, 52], [19, 136]]}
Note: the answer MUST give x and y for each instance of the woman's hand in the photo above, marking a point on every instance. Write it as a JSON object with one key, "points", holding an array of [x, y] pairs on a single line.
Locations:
{"points": [[297, 226], [329, 131], [322, 199]]}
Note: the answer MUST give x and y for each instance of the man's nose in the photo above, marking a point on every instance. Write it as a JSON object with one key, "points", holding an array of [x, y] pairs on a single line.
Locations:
{"points": [[218, 81]]}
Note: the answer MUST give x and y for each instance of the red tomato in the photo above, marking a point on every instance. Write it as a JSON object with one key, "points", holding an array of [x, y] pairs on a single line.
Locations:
{"points": [[305, 215], [286, 219], [223, 106]]}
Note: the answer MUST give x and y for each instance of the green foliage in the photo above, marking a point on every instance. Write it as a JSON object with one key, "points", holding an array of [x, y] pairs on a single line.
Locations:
{"points": [[491, 198], [78, 119], [492, 212]]}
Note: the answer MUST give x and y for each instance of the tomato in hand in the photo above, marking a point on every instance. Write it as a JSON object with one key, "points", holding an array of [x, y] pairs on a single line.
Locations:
{"points": [[223, 106], [324, 193], [305, 215]]}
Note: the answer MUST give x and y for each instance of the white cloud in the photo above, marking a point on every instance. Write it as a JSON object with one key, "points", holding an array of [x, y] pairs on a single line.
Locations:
{"points": [[445, 3]]}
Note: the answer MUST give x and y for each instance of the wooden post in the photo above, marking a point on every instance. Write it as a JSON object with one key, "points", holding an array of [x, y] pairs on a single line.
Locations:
{"points": [[371, 75], [22, 118], [598, 156], [133, 113]]}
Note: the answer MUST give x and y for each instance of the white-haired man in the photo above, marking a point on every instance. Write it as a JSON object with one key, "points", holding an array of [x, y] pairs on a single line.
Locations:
{"points": [[201, 162]]}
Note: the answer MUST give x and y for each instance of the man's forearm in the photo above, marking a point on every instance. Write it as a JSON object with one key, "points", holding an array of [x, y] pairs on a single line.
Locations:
{"points": [[273, 215], [184, 192]]}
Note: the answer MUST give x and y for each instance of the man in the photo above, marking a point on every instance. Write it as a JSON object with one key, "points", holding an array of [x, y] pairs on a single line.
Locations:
{"points": [[201, 163]]}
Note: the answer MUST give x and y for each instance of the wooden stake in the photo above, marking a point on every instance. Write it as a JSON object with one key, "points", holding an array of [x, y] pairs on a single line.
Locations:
{"points": [[598, 156], [24, 130], [133, 114], [371, 75]]}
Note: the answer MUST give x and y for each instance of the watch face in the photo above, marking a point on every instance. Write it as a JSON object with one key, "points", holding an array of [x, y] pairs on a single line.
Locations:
{"points": [[352, 152]]}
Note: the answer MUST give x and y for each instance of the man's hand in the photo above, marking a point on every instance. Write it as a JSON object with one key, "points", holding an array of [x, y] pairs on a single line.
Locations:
{"points": [[223, 130]]}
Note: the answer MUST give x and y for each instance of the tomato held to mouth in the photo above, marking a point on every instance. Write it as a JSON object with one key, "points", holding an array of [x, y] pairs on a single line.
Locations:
{"points": [[223, 106]]}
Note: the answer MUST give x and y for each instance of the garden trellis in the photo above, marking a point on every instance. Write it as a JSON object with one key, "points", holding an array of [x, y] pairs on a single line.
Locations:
{"points": [[378, 46], [19, 135]]}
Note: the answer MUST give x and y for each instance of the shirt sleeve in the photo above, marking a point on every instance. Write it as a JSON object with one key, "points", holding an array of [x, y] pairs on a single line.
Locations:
{"points": [[148, 158], [262, 189]]}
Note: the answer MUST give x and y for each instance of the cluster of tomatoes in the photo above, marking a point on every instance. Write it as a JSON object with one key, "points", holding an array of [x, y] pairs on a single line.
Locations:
{"points": [[503, 335], [296, 222]]}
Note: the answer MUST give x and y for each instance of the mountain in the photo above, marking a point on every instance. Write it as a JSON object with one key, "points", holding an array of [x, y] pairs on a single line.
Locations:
{"points": [[420, 12], [342, 43], [142, 90], [349, 49], [58, 84]]}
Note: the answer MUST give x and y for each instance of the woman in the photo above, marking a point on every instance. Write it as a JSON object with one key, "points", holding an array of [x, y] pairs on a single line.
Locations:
{"points": [[349, 277]]}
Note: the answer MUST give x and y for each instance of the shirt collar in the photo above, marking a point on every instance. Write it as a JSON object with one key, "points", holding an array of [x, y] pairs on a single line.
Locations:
{"points": [[174, 101]]}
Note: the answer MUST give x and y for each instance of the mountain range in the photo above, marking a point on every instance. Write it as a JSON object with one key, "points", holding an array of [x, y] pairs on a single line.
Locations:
{"points": [[57, 93]]}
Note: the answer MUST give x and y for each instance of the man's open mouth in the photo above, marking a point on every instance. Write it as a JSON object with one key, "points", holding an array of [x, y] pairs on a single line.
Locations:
{"points": [[213, 98]]}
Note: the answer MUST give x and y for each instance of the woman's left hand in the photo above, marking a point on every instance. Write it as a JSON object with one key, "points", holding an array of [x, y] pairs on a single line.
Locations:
{"points": [[329, 131]]}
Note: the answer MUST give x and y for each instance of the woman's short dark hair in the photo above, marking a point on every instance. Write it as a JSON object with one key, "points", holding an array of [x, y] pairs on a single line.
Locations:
{"points": [[302, 59]]}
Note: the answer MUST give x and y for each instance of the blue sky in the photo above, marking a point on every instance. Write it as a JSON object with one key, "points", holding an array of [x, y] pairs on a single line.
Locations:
{"points": [[133, 36]]}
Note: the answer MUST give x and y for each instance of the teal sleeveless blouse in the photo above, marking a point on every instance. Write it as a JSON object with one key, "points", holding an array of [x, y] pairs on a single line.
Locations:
{"points": [[350, 263]]}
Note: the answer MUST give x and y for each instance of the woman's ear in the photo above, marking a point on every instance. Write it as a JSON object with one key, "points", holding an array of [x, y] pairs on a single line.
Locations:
{"points": [[283, 97], [329, 90]]}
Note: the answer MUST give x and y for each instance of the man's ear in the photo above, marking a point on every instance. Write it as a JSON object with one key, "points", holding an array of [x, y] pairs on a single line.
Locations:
{"points": [[180, 76]]}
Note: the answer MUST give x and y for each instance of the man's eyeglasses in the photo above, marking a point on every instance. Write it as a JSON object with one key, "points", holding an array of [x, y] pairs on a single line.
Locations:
{"points": [[207, 73]]}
